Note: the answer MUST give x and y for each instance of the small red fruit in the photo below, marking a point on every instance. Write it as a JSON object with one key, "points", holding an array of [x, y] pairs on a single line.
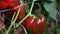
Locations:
{"points": [[37, 25], [10, 13], [3, 5], [21, 14], [29, 22], [10, 3]]}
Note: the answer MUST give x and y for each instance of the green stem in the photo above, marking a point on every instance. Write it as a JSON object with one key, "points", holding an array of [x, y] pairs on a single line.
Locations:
{"points": [[17, 15], [26, 15], [32, 15], [21, 1], [12, 23], [24, 29], [13, 20], [13, 16]]}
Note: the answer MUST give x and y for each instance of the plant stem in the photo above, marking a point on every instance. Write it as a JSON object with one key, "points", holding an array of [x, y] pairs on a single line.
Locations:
{"points": [[26, 15], [13, 16], [32, 15], [12, 23], [24, 29]]}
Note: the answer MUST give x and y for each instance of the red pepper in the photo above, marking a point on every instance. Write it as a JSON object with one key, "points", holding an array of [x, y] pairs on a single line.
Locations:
{"points": [[38, 25], [29, 22], [3, 5], [21, 14], [10, 3]]}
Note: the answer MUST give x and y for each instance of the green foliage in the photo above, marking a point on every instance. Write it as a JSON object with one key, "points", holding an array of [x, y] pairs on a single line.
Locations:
{"points": [[53, 27], [47, 8], [51, 9]]}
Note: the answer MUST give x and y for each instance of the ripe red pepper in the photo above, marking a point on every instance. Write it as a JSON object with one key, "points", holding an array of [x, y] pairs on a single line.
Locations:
{"points": [[29, 22], [3, 5], [21, 14], [38, 25], [10, 3]]}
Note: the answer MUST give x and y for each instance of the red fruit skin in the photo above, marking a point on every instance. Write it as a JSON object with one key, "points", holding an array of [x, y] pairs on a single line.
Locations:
{"points": [[10, 13], [10, 3], [38, 25], [21, 14], [3, 5], [29, 22]]}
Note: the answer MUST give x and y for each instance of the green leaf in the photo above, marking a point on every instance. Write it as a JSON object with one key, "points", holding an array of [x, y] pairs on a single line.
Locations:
{"points": [[53, 27], [51, 9], [53, 0], [46, 30], [58, 31]]}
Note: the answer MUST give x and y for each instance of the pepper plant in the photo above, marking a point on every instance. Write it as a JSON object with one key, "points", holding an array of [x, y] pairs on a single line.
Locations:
{"points": [[32, 15]]}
